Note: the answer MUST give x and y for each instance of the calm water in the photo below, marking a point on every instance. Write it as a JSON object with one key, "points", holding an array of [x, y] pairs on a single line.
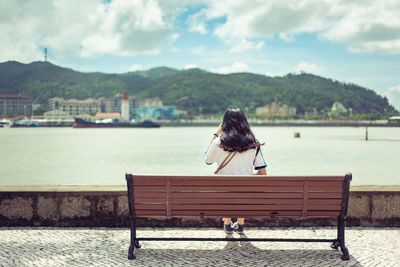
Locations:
{"points": [[102, 156]]}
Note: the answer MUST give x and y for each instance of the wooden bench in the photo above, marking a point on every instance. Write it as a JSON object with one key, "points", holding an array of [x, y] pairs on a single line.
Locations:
{"points": [[253, 196]]}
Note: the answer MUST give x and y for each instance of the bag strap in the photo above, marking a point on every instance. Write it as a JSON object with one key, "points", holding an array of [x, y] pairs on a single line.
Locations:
{"points": [[226, 161], [258, 150]]}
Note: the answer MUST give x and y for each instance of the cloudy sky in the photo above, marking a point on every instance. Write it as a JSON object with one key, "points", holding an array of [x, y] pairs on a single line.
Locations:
{"points": [[350, 41]]}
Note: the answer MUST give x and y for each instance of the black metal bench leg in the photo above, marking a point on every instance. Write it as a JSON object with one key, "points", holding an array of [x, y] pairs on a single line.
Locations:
{"points": [[131, 255], [335, 244], [341, 239], [134, 242], [137, 245]]}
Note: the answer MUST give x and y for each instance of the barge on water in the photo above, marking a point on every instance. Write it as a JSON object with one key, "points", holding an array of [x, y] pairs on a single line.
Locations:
{"points": [[81, 123]]}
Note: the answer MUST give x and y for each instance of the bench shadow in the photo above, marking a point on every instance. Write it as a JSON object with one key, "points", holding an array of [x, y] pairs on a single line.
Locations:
{"points": [[243, 253]]}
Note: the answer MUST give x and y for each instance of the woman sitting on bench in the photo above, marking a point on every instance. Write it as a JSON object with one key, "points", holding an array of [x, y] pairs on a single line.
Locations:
{"points": [[237, 152]]}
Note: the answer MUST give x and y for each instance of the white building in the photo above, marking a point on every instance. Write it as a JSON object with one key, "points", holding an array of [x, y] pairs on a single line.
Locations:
{"points": [[338, 108]]}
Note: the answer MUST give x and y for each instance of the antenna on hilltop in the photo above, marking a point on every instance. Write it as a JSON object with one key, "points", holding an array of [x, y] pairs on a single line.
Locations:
{"points": [[45, 54]]}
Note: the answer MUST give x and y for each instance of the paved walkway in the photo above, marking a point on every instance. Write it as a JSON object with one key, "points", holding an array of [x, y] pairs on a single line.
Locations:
{"points": [[21, 246]]}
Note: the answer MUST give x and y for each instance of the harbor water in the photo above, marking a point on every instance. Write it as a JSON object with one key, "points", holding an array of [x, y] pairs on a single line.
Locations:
{"points": [[103, 156]]}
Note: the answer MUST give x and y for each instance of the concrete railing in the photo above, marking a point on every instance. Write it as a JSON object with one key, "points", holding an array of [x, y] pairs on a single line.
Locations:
{"points": [[73, 206]]}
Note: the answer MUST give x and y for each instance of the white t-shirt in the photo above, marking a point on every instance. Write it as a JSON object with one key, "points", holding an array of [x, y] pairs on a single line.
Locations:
{"points": [[241, 164]]}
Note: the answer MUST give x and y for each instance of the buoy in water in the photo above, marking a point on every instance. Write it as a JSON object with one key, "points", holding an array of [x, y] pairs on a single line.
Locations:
{"points": [[297, 134]]}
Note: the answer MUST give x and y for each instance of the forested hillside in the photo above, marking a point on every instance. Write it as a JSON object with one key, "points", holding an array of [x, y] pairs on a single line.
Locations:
{"points": [[193, 90]]}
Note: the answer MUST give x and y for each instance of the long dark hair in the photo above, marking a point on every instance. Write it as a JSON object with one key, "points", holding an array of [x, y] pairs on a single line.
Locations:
{"points": [[236, 134]]}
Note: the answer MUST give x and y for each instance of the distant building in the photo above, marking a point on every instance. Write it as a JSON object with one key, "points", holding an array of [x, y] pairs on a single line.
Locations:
{"points": [[276, 109], [114, 104], [311, 113], [14, 105], [338, 108], [74, 107], [394, 120], [150, 102], [156, 112]]}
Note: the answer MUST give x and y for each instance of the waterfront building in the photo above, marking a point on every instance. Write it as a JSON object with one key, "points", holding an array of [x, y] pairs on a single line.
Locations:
{"points": [[114, 105], [276, 109], [394, 120], [74, 107], [311, 113], [15, 105], [125, 116], [156, 112], [150, 102], [338, 107]]}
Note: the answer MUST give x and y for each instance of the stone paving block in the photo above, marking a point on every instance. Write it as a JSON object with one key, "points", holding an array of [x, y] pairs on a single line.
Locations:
{"points": [[17, 208], [33, 246], [75, 206], [105, 205], [359, 206], [123, 207], [47, 208]]}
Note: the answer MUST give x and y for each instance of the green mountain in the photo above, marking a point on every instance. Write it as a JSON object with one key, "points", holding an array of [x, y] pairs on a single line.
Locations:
{"points": [[193, 90], [43, 80], [156, 73]]}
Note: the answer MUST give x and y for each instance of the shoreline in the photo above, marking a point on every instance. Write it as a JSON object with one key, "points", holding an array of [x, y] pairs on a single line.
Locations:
{"points": [[284, 124]]}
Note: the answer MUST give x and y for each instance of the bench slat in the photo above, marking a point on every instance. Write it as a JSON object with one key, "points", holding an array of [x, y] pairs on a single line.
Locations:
{"points": [[150, 207], [326, 189], [323, 201], [149, 188], [298, 201], [317, 195], [323, 213], [243, 213], [236, 207], [141, 182], [240, 189], [150, 213], [213, 195], [150, 200], [327, 207], [236, 201], [150, 194], [235, 182], [326, 184], [248, 207]]}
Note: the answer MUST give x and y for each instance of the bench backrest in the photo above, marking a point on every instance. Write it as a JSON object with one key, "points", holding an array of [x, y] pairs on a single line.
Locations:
{"points": [[238, 196]]}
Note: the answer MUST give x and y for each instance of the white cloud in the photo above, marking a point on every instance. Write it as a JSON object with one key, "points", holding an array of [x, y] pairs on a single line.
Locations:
{"points": [[264, 19], [393, 95], [134, 67], [190, 66], [242, 45], [395, 88], [196, 23], [363, 26], [308, 68], [235, 67], [372, 26], [74, 28]]}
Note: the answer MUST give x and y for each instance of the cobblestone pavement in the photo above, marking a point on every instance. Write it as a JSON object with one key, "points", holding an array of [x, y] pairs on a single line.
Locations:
{"points": [[23, 246]]}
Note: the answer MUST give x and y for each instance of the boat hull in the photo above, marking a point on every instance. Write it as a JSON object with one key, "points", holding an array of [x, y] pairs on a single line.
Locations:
{"points": [[79, 123]]}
